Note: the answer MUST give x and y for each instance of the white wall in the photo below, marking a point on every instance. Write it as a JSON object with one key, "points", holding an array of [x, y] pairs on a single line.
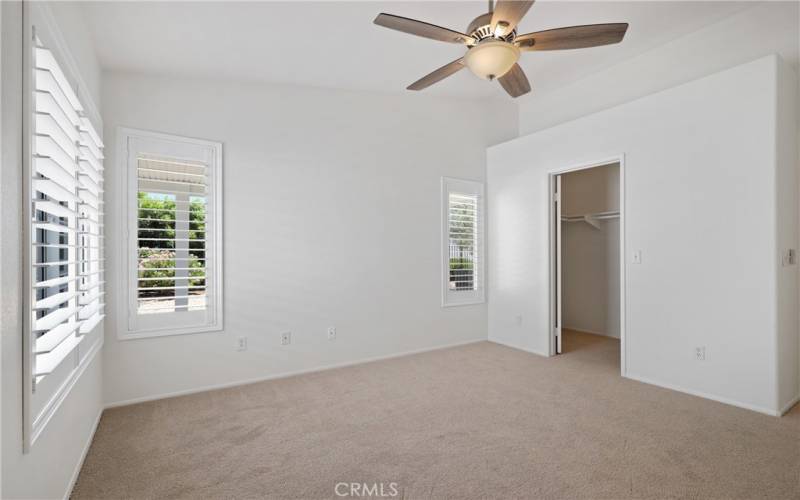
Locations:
{"points": [[331, 203], [590, 256], [51, 465], [765, 28], [70, 18], [700, 203]]}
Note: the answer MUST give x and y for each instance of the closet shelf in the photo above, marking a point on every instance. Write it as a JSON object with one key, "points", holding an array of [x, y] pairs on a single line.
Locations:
{"points": [[591, 219]]}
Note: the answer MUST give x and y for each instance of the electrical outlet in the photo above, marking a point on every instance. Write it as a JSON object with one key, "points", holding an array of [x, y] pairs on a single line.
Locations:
{"points": [[700, 353], [637, 257], [241, 344], [286, 338], [331, 333], [518, 320]]}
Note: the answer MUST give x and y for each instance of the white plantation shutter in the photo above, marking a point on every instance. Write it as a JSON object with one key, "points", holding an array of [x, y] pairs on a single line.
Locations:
{"points": [[464, 236], [462, 245], [90, 225], [66, 227], [171, 236]]}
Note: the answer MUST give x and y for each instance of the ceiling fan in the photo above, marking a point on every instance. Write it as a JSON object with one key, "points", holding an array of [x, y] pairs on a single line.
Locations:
{"points": [[493, 46]]}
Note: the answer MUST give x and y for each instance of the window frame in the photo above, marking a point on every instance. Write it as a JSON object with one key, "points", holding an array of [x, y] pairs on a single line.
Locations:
{"points": [[41, 400], [127, 268], [463, 297]]}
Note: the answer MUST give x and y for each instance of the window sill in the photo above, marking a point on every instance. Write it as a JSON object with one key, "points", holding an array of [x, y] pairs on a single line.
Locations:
{"points": [[169, 332], [463, 303]]}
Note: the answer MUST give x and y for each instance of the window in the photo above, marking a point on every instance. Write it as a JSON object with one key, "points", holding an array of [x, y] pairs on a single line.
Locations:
{"points": [[462, 242], [64, 214], [174, 223]]}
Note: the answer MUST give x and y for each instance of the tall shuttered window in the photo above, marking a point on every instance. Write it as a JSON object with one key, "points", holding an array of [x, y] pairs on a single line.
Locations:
{"points": [[462, 242], [173, 230], [64, 209]]}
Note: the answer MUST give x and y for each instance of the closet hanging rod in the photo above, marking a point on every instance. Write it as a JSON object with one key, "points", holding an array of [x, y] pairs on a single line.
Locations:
{"points": [[591, 219], [597, 215]]}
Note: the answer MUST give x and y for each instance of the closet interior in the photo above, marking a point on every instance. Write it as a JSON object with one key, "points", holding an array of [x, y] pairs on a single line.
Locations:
{"points": [[588, 252]]}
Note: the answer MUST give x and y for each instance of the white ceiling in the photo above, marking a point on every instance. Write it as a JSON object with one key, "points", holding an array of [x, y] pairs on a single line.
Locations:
{"points": [[335, 44]]}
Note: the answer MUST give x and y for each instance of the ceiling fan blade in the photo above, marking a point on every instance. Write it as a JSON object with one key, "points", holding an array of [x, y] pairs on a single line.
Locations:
{"points": [[515, 82], [573, 37], [438, 75], [509, 12], [423, 29]]}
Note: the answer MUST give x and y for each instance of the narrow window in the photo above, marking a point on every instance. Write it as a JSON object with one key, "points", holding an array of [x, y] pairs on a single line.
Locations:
{"points": [[462, 245], [174, 227]]}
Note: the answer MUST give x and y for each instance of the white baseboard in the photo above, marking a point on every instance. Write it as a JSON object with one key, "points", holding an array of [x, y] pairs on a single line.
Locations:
{"points": [[790, 404], [85, 452], [705, 395], [583, 330], [538, 353], [276, 376]]}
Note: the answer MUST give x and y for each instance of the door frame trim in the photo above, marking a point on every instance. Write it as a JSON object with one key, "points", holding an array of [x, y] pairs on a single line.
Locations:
{"points": [[552, 174]]}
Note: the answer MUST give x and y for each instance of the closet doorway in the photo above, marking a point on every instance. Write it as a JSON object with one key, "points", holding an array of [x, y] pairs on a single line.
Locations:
{"points": [[587, 260]]}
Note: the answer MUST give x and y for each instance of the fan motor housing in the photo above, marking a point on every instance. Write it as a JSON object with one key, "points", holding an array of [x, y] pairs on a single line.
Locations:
{"points": [[481, 28]]}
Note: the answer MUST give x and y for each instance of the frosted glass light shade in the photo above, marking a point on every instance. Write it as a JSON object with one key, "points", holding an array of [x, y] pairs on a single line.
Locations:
{"points": [[492, 59]]}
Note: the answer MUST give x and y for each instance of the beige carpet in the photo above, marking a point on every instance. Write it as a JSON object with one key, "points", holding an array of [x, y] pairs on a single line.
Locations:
{"points": [[479, 421]]}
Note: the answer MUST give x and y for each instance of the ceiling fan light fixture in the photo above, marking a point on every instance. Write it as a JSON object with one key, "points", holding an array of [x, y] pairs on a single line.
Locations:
{"points": [[493, 44], [491, 59]]}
